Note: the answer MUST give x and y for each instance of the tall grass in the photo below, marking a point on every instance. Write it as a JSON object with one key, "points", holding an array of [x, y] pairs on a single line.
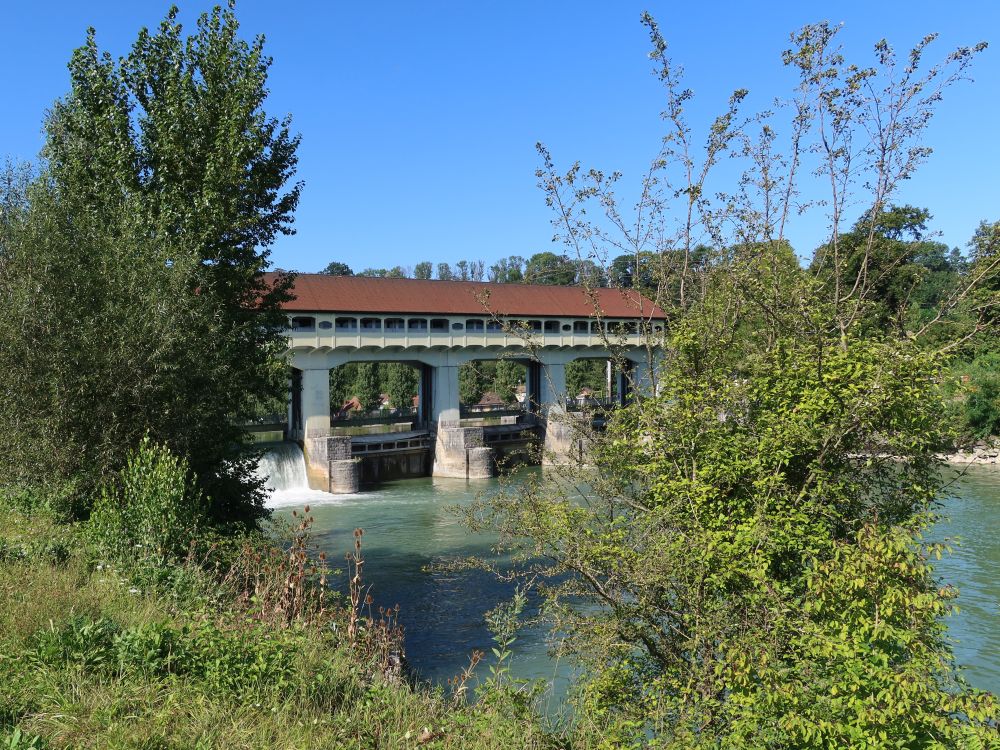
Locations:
{"points": [[237, 646]]}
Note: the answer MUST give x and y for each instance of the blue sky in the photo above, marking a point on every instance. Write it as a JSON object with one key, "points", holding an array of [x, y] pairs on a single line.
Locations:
{"points": [[419, 119]]}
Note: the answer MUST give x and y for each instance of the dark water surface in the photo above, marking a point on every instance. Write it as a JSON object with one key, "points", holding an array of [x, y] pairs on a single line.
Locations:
{"points": [[410, 531]]}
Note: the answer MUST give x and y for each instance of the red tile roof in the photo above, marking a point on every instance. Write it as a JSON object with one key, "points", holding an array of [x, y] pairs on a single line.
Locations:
{"points": [[361, 294]]}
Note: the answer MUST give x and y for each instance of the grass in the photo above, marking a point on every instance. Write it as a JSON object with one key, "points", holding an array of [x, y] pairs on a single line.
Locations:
{"points": [[93, 656]]}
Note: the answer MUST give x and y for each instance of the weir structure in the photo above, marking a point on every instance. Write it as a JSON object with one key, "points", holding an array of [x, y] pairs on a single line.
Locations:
{"points": [[436, 326]]}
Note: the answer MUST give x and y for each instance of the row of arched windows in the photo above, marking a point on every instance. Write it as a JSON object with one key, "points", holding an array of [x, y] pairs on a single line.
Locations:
{"points": [[403, 325]]}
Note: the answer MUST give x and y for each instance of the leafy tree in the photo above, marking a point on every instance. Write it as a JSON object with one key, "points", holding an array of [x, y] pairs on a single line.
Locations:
{"points": [[551, 269], [342, 380], [336, 268], [981, 408], [508, 270], [367, 386], [586, 373], [400, 382], [889, 256], [139, 257], [477, 270], [374, 273], [474, 380], [462, 270], [590, 275], [423, 270], [746, 566], [507, 377], [444, 272]]}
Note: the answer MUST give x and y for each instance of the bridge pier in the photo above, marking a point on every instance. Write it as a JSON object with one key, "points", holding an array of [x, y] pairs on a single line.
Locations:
{"points": [[459, 452]]}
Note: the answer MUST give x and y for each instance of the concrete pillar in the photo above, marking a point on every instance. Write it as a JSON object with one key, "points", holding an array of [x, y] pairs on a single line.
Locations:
{"points": [[625, 382], [480, 463], [316, 402], [642, 378], [425, 394], [563, 441], [445, 400], [345, 476], [460, 452], [552, 386]]}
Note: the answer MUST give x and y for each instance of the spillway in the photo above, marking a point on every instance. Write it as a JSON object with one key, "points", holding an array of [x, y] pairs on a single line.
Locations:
{"points": [[283, 469]]}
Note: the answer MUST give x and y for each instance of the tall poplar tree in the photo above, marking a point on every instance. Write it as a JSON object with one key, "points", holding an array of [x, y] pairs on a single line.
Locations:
{"points": [[139, 255]]}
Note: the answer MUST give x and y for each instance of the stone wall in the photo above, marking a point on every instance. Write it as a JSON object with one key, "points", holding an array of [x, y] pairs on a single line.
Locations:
{"points": [[461, 452]]}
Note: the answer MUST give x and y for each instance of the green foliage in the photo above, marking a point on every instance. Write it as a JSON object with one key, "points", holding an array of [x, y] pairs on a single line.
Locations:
{"points": [[474, 380], [742, 564], [400, 382], [86, 660], [479, 377], [336, 268], [367, 386], [17, 740], [138, 257], [507, 377], [152, 512], [550, 269], [586, 373], [981, 405], [508, 270]]}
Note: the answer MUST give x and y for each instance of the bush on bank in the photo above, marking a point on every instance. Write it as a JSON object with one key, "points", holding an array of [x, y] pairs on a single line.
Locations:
{"points": [[143, 629]]}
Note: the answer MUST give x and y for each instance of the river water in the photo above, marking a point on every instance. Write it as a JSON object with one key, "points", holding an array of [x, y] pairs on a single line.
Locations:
{"points": [[410, 531]]}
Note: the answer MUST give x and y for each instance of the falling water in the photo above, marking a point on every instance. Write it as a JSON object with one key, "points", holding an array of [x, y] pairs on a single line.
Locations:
{"points": [[283, 468]]}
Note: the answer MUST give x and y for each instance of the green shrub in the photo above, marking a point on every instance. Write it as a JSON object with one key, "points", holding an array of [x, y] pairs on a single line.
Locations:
{"points": [[981, 407], [151, 511], [231, 661], [62, 500]]}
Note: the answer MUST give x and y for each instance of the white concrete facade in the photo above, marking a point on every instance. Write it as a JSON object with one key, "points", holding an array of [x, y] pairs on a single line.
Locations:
{"points": [[319, 342]]}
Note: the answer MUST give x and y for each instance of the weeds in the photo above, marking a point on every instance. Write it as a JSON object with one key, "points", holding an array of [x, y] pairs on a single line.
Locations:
{"points": [[282, 586]]}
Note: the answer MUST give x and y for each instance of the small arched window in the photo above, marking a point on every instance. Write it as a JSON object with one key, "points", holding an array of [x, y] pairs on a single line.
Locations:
{"points": [[325, 325]]}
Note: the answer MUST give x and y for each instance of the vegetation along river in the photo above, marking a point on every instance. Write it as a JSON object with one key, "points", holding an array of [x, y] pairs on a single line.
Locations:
{"points": [[410, 531]]}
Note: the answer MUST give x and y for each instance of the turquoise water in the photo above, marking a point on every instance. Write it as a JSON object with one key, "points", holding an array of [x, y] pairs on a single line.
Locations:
{"points": [[410, 531], [973, 516]]}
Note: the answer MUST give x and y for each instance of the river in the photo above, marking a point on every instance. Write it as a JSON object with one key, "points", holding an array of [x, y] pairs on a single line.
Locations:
{"points": [[410, 531]]}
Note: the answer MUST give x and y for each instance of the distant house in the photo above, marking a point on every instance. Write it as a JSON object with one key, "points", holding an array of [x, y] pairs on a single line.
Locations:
{"points": [[491, 400], [350, 405]]}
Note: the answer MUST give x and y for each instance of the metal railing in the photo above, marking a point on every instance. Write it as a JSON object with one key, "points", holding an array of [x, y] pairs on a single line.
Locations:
{"points": [[353, 419], [591, 404], [490, 410]]}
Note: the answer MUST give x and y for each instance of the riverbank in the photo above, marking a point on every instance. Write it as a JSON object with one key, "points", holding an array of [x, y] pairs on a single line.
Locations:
{"points": [[985, 452], [179, 655]]}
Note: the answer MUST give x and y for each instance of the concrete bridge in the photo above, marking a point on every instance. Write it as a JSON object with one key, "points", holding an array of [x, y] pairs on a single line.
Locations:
{"points": [[436, 326]]}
